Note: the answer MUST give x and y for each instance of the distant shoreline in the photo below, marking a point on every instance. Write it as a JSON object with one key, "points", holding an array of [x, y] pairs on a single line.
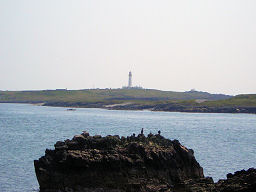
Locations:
{"points": [[134, 107], [136, 99]]}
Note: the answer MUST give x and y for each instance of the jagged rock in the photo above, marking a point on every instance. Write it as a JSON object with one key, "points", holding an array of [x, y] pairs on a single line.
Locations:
{"points": [[240, 181], [101, 164]]}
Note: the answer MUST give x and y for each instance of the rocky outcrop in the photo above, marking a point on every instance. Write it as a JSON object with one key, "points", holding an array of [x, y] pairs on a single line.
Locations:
{"points": [[130, 164], [203, 109], [240, 181], [97, 164]]}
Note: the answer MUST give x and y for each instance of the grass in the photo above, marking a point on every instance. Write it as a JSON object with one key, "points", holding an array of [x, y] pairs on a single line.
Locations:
{"points": [[248, 100], [92, 95], [138, 96]]}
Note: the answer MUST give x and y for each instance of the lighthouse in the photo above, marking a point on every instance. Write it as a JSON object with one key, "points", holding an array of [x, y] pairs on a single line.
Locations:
{"points": [[130, 80], [130, 83]]}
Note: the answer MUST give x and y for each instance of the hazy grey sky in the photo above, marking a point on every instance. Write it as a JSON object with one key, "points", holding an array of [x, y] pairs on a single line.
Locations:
{"points": [[209, 45]]}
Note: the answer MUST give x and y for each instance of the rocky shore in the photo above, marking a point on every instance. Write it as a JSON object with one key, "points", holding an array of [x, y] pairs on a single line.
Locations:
{"points": [[129, 164], [184, 108], [174, 107]]}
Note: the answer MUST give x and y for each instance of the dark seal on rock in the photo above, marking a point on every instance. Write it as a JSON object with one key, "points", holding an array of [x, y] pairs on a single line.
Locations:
{"points": [[97, 164]]}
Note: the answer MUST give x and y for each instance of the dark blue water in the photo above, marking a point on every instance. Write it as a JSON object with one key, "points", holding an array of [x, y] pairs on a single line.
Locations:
{"points": [[222, 142]]}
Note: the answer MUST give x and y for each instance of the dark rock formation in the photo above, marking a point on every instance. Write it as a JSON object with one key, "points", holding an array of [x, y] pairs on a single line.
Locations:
{"points": [[240, 181], [133, 164], [97, 164], [202, 109]]}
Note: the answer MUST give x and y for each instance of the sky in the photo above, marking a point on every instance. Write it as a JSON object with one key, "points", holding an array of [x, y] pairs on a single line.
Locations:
{"points": [[207, 45]]}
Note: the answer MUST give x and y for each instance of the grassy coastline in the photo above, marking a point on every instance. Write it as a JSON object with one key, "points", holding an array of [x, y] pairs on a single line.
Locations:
{"points": [[136, 99]]}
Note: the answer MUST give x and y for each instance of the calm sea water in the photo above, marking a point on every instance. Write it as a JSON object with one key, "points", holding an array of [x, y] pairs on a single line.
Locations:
{"points": [[222, 142]]}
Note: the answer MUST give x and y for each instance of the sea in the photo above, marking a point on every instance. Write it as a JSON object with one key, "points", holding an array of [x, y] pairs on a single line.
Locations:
{"points": [[222, 143]]}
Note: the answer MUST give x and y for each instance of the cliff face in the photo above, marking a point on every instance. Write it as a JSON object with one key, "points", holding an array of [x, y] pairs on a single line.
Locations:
{"points": [[114, 164]]}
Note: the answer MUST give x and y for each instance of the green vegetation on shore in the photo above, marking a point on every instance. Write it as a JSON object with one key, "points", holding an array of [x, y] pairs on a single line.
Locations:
{"points": [[248, 100], [104, 95], [191, 101]]}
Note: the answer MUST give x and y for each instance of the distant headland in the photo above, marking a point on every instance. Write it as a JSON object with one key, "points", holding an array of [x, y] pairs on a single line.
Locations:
{"points": [[136, 99]]}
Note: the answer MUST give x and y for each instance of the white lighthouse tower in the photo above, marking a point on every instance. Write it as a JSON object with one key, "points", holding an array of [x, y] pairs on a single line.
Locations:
{"points": [[130, 80]]}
